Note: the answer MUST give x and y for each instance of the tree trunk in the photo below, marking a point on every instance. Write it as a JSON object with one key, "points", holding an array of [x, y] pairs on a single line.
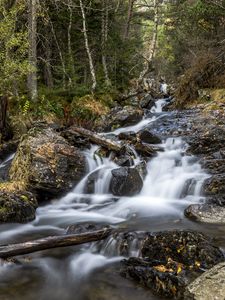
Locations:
{"points": [[47, 61], [32, 37], [105, 23], [53, 242], [71, 60], [91, 65], [3, 114], [153, 44], [129, 17]]}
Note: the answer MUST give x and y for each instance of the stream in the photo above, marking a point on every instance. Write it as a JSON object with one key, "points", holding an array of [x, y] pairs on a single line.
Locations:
{"points": [[173, 182]]}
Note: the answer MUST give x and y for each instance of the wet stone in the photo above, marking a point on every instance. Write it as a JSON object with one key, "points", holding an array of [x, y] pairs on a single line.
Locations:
{"points": [[170, 260], [84, 228], [147, 137], [125, 182], [206, 213], [210, 285], [214, 185], [17, 207]]}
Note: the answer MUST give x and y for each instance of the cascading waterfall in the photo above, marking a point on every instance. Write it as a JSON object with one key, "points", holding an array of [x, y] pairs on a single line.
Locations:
{"points": [[174, 180]]}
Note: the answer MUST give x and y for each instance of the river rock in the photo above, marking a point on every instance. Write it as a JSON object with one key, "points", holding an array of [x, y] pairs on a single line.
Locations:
{"points": [[215, 185], [209, 286], [124, 161], [186, 247], [214, 166], [126, 182], [147, 102], [207, 140], [46, 163], [84, 228], [125, 157], [17, 207], [206, 213], [170, 260], [141, 167], [121, 117], [147, 137]]}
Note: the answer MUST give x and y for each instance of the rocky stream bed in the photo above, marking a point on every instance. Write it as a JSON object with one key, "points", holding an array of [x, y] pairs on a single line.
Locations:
{"points": [[156, 177]]}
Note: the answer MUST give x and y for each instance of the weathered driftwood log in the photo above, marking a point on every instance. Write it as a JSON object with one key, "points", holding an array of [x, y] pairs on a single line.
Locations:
{"points": [[97, 139], [53, 242], [142, 148]]}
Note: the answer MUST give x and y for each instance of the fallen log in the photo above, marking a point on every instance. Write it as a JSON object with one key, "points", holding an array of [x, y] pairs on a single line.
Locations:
{"points": [[97, 139], [53, 242], [142, 148]]}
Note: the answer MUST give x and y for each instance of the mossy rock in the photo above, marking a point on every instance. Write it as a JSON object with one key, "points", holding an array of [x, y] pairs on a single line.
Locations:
{"points": [[46, 163], [17, 207]]}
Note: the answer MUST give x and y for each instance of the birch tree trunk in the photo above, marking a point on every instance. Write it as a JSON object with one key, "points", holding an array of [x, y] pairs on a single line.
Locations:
{"points": [[91, 65], [129, 17], [32, 38], [105, 23], [153, 44]]}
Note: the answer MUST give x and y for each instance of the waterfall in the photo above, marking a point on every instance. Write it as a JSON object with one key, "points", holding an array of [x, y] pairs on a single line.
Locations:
{"points": [[174, 180]]}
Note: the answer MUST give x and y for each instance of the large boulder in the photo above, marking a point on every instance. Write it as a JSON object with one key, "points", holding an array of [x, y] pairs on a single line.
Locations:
{"points": [[210, 285], [186, 247], [126, 182], [46, 163], [121, 117], [170, 260], [17, 207], [207, 140]]}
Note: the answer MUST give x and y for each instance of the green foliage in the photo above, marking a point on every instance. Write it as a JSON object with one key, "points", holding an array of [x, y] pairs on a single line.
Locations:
{"points": [[14, 64]]}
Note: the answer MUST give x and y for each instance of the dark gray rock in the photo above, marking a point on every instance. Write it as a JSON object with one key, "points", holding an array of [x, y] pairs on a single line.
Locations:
{"points": [[142, 169], [124, 161], [120, 117], [147, 137], [126, 182], [147, 101]]}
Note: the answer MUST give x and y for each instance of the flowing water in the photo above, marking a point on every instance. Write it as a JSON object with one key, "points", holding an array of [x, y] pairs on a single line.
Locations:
{"points": [[174, 181]]}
